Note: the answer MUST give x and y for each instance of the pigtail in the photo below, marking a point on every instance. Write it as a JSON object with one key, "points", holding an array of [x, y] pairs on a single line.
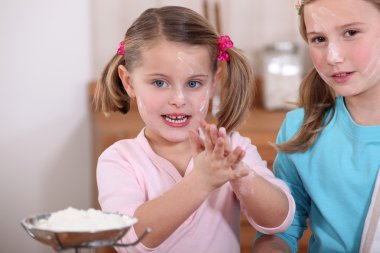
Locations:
{"points": [[110, 95], [237, 90], [316, 97]]}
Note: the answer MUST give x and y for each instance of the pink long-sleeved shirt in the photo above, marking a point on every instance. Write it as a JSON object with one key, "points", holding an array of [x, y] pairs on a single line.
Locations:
{"points": [[130, 173]]}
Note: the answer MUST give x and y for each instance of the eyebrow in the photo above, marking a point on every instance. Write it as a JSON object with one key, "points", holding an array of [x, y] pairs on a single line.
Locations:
{"points": [[199, 76], [352, 24], [193, 76], [338, 28]]}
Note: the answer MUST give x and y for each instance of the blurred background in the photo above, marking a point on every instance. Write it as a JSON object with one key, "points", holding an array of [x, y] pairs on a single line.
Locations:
{"points": [[50, 50]]}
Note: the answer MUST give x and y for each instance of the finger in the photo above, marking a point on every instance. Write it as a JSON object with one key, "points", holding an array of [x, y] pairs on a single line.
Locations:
{"points": [[236, 174], [196, 144], [213, 131], [202, 123], [227, 147], [202, 126], [222, 132], [241, 156], [208, 143], [236, 156], [193, 145], [219, 148]]}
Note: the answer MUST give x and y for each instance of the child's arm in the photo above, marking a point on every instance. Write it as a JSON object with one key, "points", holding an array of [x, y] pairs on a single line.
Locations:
{"points": [[270, 243], [270, 206], [265, 203], [166, 213]]}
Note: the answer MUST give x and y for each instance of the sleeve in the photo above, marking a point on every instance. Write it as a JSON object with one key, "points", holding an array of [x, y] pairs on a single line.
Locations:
{"points": [[120, 189], [259, 166], [118, 185], [285, 170]]}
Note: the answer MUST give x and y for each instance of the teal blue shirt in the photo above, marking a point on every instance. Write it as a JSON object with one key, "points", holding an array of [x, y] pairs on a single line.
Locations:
{"points": [[332, 182]]}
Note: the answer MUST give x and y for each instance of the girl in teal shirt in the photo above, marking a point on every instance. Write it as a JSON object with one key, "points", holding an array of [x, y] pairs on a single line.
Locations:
{"points": [[329, 149]]}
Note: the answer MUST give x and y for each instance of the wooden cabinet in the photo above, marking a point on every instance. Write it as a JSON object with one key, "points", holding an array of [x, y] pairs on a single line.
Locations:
{"points": [[261, 127]]}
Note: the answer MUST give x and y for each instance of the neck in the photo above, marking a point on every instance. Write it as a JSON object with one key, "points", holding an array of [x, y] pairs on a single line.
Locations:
{"points": [[167, 149], [177, 153], [365, 112]]}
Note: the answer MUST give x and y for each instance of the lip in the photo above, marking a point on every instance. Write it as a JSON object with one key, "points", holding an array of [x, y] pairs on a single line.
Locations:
{"points": [[342, 76], [176, 119]]}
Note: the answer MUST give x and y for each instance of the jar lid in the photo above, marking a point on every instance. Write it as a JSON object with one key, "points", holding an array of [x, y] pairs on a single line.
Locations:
{"points": [[282, 46]]}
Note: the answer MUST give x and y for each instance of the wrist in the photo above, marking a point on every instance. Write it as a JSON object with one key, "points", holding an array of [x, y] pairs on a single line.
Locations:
{"points": [[199, 182]]}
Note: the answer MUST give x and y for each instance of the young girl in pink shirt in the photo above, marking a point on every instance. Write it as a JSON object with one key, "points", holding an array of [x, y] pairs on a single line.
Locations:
{"points": [[183, 178]]}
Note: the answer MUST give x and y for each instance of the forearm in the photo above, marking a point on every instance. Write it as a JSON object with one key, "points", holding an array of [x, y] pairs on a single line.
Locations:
{"points": [[266, 203], [167, 212], [270, 243]]}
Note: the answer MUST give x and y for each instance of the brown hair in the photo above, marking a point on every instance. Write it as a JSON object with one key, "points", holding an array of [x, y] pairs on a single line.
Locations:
{"points": [[178, 24], [316, 98]]}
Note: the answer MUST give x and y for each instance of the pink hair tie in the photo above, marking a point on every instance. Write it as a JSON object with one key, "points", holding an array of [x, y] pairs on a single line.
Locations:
{"points": [[224, 43], [120, 50]]}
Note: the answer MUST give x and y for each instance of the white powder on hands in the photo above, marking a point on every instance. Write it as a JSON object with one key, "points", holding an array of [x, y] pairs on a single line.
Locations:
{"points": [[91, 220]]}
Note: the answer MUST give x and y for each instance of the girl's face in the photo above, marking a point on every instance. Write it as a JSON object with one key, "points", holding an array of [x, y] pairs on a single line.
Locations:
{"points": [[172, 85], [344, 44]]}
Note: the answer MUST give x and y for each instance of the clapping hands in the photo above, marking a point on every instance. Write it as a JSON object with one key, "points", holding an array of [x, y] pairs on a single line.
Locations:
{"points": [[214, 159]]}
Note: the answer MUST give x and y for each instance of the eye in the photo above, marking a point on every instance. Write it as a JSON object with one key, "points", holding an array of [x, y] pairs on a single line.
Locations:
{"points": [[194, 84], [317, 39], [160, 83], [350, 33]]}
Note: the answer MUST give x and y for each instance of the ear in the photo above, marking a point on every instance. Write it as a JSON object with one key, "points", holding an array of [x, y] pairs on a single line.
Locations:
{"points": [[125, 78], [216, 81]]}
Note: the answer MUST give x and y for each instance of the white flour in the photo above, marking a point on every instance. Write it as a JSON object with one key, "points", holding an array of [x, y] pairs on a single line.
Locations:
{"points": [[91, 220]]}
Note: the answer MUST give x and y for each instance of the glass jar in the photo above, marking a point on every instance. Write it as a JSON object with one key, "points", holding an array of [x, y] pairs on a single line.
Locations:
{"points": [[282, 75]]}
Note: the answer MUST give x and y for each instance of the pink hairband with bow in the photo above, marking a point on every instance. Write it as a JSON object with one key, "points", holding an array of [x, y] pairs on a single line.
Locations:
{"points": [[224, 43]]}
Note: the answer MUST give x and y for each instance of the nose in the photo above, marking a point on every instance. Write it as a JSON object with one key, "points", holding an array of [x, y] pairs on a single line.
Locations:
{"points": [[177, 97], [334, 54]]}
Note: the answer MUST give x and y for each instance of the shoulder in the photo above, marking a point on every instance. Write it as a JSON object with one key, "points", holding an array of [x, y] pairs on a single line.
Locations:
{"points": [[294, 117], [238, 140], [252, 157], [119, 149], [292, 123], [125, 148]]}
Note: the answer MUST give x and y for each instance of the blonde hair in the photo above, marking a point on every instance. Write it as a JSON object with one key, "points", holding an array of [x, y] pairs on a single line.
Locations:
{"points": [[316, 98], [177, 24]]}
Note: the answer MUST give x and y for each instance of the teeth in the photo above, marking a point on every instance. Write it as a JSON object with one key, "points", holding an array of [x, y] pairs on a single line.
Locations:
{"points": [[176, 119], [341, 75]]}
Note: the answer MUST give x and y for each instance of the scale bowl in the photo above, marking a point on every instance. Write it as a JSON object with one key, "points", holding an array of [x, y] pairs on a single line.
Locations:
{"points": [[60, 240]]}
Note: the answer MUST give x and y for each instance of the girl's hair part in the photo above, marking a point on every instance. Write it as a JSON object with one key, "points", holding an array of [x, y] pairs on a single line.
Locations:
{"points": [[182, 25]]}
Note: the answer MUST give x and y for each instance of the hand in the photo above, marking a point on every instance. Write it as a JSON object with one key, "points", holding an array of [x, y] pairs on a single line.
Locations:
{"points": [[214, 161], [210, 131], [213, 133]]}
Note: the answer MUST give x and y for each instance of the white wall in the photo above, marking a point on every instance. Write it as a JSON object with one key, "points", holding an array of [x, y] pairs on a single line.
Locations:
{"points": [[255, 24], [252, 24], [45, 66]]}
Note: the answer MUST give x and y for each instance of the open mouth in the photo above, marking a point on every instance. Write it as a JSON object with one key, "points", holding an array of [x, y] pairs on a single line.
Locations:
{"points": [[342, 74], [176, 119], [342, 77]]}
